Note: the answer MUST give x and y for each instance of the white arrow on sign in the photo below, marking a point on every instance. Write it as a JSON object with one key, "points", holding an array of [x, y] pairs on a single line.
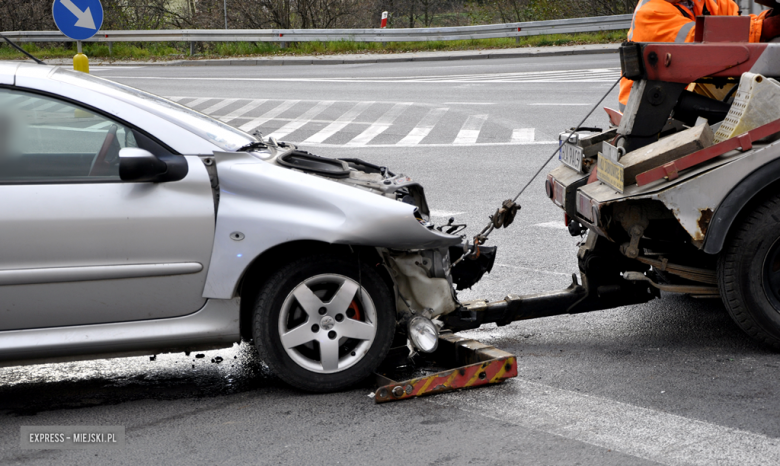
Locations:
{"points": [[84, 17]]}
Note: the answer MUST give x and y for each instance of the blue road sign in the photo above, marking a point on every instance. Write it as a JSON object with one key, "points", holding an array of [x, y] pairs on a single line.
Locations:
{"points": [[78, 19]]}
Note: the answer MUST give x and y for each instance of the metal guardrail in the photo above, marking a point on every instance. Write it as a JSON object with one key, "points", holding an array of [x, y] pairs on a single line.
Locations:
{"points": [[490, 31]]}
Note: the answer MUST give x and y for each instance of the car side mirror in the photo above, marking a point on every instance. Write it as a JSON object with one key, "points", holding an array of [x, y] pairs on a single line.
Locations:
{"points": [[141, 165]]}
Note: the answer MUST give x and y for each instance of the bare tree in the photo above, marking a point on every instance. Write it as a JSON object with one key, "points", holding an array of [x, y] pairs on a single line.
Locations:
{"points": [[290, 14], [136, 14], [25, 15], [611, 7]]}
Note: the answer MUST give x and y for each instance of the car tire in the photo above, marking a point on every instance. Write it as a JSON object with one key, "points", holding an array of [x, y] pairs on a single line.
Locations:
{"points": [[324, 323], [749, 273]]}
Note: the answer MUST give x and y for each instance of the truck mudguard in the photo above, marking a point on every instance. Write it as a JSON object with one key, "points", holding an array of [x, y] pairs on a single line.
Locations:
{"points": [[735, 202]]}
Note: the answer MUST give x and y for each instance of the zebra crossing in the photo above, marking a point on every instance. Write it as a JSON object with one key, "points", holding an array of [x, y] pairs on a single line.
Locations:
{"points": [[360, 124]]}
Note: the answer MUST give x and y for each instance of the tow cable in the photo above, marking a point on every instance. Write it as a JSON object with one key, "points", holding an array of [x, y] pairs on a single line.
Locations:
{"points": [[505, 214]]}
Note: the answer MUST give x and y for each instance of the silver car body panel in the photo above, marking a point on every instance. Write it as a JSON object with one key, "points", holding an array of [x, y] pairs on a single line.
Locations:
{"points": [[216, 325], [94, 227], [104, 272], [695, 195], [272, 205], [81, 302]]}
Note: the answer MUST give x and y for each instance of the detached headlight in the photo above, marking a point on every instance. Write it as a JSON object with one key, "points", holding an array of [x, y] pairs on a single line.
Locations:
{"points": [[424, 334]]}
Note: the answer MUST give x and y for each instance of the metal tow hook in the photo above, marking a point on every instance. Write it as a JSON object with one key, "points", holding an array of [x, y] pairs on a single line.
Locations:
{"points": [[505, 215]]}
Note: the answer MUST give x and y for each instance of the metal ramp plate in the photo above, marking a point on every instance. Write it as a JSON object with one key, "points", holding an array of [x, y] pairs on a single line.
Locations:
{"points": [[474, 364]]}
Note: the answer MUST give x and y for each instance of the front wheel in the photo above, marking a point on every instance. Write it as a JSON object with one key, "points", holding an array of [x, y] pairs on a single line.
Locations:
{"points": [[749, 273], [323, 323]]}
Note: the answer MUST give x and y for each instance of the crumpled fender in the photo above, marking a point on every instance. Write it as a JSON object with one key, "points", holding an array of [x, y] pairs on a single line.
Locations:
{"points": [[262, 205]]}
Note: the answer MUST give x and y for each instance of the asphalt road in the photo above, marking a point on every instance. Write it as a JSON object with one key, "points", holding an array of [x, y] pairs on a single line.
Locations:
{"points": [[670, 382]]}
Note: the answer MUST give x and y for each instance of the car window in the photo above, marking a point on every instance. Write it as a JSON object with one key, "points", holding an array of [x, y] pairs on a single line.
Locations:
{"points": [[216, 132], [43, 139]]}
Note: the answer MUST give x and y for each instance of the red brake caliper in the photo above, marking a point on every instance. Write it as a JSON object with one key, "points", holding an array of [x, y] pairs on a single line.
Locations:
{"points": [[354, 307]]}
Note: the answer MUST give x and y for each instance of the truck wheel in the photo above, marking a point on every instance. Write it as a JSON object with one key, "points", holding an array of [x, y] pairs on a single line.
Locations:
{"points": [[318, 329], [749, 274]]}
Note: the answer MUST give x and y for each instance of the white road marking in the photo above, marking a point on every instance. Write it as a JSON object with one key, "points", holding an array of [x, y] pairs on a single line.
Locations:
{"points": [[46, 106], [553, 73], [467, 138], [469, 103], [301, 120], [469, 132], [380, 126], [522, 135], [314, 120], [423, 127], [555, 225], [641, 432], [7, 99], [339, 124], [32, 102], [444, 213], [197, 102], [66, 128], [574, 76], [108, 68], [218, 106], [480, 144], [269, 115], [243, 110], [558, 104], [100, 125]]}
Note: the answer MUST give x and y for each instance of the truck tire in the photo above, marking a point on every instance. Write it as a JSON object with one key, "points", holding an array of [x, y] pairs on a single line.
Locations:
{"points": [[749, 273], [324, 323]]}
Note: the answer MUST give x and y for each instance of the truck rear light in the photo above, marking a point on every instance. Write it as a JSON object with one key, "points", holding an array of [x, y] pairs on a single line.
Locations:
{"points": [[583, 205], [588, 208], [548, 186], [558, 193]]}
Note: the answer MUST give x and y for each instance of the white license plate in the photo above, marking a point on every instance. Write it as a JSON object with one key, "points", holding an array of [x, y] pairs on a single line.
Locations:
{"points": [[571, 156]]}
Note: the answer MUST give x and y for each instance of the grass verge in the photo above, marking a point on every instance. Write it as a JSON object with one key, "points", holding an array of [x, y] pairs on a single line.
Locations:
{"points": [[180, 50]]}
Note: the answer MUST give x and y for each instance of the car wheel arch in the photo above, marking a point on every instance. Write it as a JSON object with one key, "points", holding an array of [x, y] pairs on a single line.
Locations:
{"points": [[257, 272]]}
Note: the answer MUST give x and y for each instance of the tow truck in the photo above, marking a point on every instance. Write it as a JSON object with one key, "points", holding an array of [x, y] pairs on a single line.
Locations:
{"points": [[681, 195]]}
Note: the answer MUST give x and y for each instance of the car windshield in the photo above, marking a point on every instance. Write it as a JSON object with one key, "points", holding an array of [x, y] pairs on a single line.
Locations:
{"points": [[220, 134]]}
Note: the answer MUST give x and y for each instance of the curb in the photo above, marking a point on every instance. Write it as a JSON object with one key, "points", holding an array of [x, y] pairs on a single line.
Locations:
{"points": [[390, 58]]}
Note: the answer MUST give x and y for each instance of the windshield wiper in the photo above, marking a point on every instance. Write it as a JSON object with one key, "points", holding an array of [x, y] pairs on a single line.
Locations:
{"points": [[12, 44]]}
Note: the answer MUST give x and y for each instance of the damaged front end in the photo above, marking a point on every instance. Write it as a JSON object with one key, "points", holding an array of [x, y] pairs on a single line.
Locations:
{"points": [[426, 281], [394, 219]]}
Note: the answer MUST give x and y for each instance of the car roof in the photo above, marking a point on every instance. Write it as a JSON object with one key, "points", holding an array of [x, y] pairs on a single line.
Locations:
{"points": [[8, 72]]}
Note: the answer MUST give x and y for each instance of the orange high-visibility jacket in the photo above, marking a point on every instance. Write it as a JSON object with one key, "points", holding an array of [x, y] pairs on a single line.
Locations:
{"points": [[661, 21]]}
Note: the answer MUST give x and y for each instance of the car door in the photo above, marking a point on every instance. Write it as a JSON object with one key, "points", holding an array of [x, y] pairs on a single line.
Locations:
{"points": [[79, 246]]}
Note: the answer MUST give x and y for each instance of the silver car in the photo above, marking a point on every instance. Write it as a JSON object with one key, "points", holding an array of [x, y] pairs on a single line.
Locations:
{"points": [[134, 225]]}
